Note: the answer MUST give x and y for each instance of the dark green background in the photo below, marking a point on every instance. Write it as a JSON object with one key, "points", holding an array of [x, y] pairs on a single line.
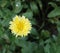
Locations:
{"points": [[45, 34]]}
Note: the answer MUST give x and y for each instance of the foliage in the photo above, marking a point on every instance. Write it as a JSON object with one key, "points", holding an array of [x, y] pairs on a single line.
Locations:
{"points": [[45, 34]]}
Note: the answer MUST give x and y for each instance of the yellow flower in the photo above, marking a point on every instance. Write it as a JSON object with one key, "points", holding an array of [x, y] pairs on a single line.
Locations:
{"points": [[20, 26]]}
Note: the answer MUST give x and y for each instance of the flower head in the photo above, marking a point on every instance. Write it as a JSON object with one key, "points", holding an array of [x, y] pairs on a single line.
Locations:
{"points": [[20, 26]]}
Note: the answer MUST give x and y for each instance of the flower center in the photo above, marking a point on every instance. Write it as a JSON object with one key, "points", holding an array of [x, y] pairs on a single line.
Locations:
{"points": [[20, 26]]}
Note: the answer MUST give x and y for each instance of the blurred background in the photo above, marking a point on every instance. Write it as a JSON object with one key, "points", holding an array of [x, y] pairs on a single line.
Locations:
{"points": [[45, 34]]}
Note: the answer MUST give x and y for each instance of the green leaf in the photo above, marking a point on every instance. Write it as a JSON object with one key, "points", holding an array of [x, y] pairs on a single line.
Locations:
{"points": [[17, 6], [58, 49], [33, 21], [29, 48], [34, 7], [54, 13], [34, 32], [47, 48], [53, 47], [20, 41], [53, 4], [28, 14], [4, 50], [45, 33], [40, 3], [3, 3], [1, 31], [58, 0], [58, 26]]}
